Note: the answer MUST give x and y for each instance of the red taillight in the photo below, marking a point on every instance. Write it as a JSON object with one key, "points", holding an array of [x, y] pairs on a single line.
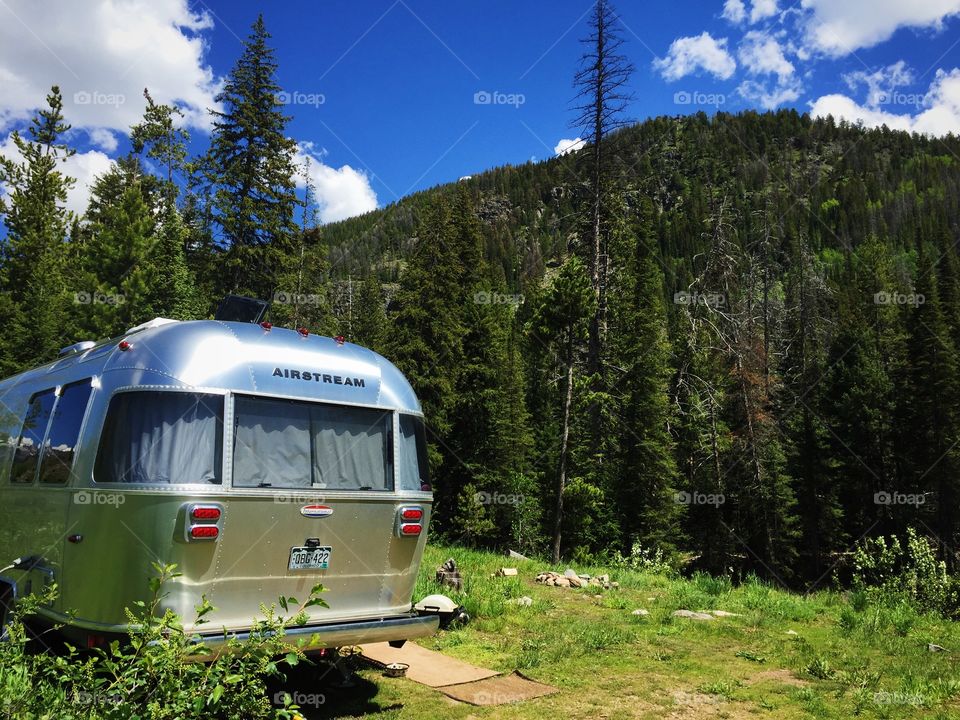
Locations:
{"points": [[124, 345], [96, 641], [266, 325], [411, 514], [205, 513], [409, 529], [204, 532]]}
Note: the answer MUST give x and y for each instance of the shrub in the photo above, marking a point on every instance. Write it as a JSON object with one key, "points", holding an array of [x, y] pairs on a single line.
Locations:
{"points": [[156, 673], [889, 572], [644, 559]]}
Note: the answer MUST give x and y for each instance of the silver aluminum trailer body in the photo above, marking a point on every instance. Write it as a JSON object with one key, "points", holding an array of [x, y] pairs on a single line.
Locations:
{"points": [[260, 461]]}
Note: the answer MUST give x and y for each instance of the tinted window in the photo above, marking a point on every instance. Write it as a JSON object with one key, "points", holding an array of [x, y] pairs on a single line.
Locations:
{"points": [[161, 438], [288, 444], [413, 466], [9, 434], [31, 437], [61, 443]]}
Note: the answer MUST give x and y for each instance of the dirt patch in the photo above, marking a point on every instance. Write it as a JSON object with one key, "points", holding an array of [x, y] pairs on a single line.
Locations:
{"points": [[781, 677], [698, 706]]}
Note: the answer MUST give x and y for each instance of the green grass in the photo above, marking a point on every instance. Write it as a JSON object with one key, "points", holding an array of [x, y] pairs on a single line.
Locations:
{"points": [[847, 659]]}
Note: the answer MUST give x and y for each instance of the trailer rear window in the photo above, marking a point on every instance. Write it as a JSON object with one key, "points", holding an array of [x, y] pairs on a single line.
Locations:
{"points": [[157, 437], [290, 444]]}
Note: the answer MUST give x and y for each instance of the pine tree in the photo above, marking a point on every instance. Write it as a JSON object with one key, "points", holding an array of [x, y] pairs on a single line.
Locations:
{"points": [[370, 319], [250, 165], [37, 221], [645, 469], [427, 339], [560, 326], [163, 141]]}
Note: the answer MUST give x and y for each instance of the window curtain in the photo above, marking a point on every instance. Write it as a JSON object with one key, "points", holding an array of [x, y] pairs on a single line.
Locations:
{"points": [[161, 438], [292, 444]]}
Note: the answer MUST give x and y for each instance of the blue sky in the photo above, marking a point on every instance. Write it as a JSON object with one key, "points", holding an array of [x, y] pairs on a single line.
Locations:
{"points": [[393, 96]]}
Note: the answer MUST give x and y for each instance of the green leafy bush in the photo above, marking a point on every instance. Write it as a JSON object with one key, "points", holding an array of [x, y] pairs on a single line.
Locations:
{"points": [[889, 571], [157, 673]]}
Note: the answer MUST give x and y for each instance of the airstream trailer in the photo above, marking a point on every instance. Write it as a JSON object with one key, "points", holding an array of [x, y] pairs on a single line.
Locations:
{"points": [[260, 460]]}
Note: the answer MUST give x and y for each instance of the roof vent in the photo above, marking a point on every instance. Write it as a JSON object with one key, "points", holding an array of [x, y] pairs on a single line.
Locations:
{"points": [[156, 322], [79, 347]]}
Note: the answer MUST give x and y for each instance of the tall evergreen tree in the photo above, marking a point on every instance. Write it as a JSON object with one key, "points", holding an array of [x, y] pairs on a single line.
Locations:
{"points": [[37, 221], [645, 468], [250, 165]]}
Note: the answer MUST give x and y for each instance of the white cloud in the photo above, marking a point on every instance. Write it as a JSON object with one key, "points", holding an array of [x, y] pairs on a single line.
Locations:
{"points": [[84, 167], [839, 27], [687, 55], [734, 11], [762, 9], [939, 113], [770, 98], [341, 193], [568, 146], [103, 139], [761, 54], [882, 83], [102, 53]]}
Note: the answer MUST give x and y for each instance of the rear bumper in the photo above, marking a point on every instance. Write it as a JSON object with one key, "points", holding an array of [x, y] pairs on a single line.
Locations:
{"points": [[332, 635]]}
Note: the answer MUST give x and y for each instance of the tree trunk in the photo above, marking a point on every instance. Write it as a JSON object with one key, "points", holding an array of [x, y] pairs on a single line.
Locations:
{"points": [[564, 443]]}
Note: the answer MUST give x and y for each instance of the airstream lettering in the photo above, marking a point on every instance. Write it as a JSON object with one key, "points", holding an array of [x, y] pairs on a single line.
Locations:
{"points": [[318, 377], [187, 443]]}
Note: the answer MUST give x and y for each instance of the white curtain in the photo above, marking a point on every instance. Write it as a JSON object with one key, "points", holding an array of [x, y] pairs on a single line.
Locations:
{"points": [[292, 444], [271, 445], [412, 454], [161, 438]]}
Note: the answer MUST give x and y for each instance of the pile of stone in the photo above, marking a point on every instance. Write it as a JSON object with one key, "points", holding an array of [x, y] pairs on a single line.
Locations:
{"points": [[571, 579]]}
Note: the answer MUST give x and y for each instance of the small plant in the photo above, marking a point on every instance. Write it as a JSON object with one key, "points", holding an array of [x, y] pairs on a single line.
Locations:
{"points": [[644, 559], [156, 674]]}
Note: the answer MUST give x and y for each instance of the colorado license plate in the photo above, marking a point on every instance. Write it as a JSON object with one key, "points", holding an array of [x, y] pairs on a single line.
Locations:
{"points": [[309, 558]]}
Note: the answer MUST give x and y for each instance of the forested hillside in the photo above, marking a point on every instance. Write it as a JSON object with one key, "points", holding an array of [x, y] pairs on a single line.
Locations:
{"points": [[764, 373]]}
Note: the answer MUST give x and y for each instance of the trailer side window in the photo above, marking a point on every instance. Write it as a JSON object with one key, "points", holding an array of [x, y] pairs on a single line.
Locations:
{"points": [[290, 444], [64, 432], [31, 437], [162, 437], [9, 434], [413, 467]]}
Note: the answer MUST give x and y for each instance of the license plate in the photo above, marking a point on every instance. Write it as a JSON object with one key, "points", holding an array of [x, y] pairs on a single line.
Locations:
{"points": [[309, 558]]}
